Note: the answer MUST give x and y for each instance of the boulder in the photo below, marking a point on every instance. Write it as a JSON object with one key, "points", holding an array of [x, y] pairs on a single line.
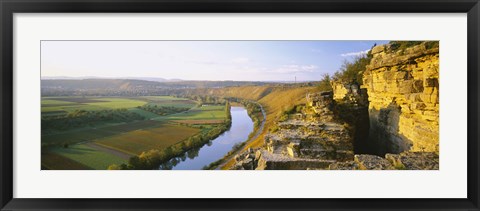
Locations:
{"points": [[350, 165], [372, 162], [414, 160]]}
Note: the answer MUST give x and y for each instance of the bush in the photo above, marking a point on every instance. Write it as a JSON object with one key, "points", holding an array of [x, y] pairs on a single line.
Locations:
{"points": [[114, 167], [80, 118], [352, 72], [432, 44], [162, 110], [402, 45]]}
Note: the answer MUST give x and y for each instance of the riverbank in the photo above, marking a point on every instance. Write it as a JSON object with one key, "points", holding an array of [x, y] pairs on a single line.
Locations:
{"points": [[153, 158], [219, 164], [241, 128]]}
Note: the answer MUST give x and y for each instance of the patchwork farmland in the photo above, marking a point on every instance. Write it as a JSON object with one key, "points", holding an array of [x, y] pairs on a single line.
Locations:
{"points": [[81, 133]]}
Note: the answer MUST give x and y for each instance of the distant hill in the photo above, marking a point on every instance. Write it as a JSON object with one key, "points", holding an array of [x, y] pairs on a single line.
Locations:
{"points": [[128, 86], [93, 77]]}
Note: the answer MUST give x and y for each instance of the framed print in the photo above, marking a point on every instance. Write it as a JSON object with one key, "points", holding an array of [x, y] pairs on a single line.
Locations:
{"points": [[239, 105]]}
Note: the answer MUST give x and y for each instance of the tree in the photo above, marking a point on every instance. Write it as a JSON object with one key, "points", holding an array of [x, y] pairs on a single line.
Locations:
{"points": [[324, 84], [114, 167], [352, 71]]}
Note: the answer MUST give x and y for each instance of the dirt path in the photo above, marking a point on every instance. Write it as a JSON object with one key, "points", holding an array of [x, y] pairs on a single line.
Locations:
{"points": [[108, 150], [262, 124]]}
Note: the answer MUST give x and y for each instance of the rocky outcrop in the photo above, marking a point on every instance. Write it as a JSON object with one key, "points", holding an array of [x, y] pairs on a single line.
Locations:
{"points": [[403, 95], [310, 139], [402, 161], [391, 122], [264, 160], [245, 161], [349, 93]]}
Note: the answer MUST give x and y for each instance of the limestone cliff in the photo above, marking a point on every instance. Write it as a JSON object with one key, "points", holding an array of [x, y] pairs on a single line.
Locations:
{"points": [[390, 122], [403, 95]]}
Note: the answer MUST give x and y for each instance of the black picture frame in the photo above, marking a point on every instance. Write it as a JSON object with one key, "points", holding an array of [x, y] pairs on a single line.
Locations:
{"points": [[9, 7]]}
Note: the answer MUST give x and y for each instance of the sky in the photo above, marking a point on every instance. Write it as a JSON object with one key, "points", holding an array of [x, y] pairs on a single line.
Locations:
{"points": [[199, 60]]}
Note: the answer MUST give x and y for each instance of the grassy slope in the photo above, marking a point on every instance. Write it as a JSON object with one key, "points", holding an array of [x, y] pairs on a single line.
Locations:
{"points": [[276, 102], [273, 99]]}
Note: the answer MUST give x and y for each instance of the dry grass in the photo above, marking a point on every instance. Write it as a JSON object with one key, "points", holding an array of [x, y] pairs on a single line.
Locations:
{"points": [[276, 100], [244, 92]]}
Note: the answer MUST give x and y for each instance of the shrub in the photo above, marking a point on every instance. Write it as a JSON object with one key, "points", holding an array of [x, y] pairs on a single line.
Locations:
{"points": [[402, 45], [352, 71]]}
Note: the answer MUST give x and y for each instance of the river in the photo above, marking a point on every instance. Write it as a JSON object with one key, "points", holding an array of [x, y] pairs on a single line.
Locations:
{"points": [[242, 126]]}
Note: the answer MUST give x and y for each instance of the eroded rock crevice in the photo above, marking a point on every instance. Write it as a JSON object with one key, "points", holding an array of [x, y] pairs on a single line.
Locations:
{"points": [[351, 106]]}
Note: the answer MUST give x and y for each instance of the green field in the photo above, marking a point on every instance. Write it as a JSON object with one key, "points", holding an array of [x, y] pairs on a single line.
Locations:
{"points": [[96, 145], [163, 98], [116, 103], [67, 104], [71, 137], [90, 133], [138, 141], [175, 104], [88, 156], [146, 114], [169, 101], [201, 113], [46, 102], [58, 162], [210, 108], [88, 104]]}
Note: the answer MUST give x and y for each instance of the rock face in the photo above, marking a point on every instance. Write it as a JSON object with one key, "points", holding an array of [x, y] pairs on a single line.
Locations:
{"points": [[351, 106], [349, 93], [391, 122], [403, 95], [402, 161]]}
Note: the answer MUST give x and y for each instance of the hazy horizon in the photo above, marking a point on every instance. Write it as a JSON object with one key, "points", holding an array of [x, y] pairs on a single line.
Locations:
{"points": [[160, 78], [267, 61]]}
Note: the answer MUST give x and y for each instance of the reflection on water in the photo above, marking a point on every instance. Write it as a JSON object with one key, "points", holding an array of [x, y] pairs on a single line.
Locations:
{"points": [[242, 126]]}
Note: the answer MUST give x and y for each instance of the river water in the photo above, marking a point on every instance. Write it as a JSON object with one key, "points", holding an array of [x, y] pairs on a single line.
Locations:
{"points": [[242, 126]]}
